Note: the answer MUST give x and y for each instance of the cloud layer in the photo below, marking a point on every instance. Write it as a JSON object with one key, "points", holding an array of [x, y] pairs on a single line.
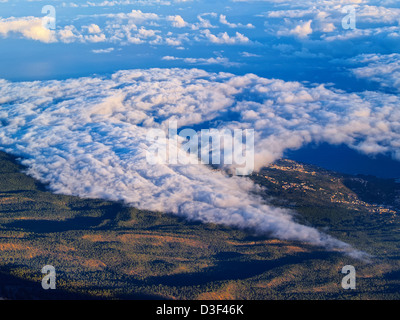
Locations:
{"points": [[87, 137], [383, 69]]}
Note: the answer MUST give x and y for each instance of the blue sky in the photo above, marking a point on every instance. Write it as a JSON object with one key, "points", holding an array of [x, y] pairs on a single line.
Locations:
{"points": [[289, 40]]}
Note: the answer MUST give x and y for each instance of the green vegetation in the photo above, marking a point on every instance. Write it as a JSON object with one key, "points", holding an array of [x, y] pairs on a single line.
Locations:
{"points": [[103, 249]]}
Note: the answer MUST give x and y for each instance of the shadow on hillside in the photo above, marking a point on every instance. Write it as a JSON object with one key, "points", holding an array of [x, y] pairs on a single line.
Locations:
{"points": [[14, 288], [235, 270]]}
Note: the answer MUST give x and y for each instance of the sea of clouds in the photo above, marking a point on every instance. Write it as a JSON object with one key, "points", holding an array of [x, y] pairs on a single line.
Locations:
{"points": [[88, 137]]}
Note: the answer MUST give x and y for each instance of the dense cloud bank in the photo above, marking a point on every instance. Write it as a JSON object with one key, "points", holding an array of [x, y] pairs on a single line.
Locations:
{"points": [[87, 137], [383, 69]]}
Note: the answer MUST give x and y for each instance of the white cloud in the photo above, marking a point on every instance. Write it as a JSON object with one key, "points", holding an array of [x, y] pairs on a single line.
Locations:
{"points": [[87, 137], [246, 54], [92, 28], [204, 23], [135, 16], [28, 27], [223, 20], [108, 50], [96, 38], [302, 30], [69, 34], [384, 69], [203, 61], [115, 3], [177, 21], [224, 38], [293, 19]]}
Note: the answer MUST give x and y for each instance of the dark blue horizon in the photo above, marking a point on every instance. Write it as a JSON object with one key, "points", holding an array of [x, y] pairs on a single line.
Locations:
{"points": [[343, 159]]}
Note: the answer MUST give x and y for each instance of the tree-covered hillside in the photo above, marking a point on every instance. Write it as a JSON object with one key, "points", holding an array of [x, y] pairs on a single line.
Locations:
{"points": [[107, 250]]}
